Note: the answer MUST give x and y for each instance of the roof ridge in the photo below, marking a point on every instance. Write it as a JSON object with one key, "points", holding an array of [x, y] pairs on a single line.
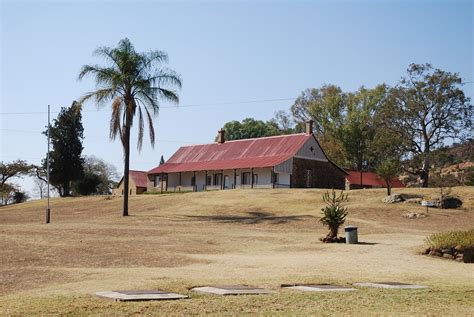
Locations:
{"points": [[250, 139]]}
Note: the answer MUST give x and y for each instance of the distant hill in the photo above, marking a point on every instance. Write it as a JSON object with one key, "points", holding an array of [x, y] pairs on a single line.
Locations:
{"points": [[450, 166]]}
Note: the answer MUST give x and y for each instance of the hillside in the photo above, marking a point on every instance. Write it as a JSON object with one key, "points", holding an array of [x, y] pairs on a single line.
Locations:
{"points": [[257, 237]]}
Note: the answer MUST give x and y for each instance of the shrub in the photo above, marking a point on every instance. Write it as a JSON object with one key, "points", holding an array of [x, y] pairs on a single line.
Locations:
{"points": [[451, 239], [334, 214], [20, 197]]}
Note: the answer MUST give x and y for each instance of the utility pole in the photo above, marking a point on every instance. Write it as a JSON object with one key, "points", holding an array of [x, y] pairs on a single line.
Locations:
{"points": [[48, 211]]}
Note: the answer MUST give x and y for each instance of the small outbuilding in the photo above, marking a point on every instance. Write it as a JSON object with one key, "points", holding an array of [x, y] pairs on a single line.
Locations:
{"points": [[137, 183], [369, 180]]}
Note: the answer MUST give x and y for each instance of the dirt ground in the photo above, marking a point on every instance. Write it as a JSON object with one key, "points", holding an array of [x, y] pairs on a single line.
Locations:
{"points": [[257, 237]]}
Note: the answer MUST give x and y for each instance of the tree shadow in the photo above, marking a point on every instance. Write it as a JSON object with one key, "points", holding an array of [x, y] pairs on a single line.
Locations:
{"points": [[253, 217]]}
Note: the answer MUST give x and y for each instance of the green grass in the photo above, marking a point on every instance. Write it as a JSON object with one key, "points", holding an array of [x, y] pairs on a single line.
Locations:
{"points": [[451, 239]]}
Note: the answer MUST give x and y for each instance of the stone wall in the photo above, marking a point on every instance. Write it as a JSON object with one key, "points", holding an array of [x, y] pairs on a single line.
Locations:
{"points": [[322, 174]]}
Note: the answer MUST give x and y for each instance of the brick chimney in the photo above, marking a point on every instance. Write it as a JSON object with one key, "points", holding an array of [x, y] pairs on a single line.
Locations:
{"points": [[221, 136], [309, 127]]}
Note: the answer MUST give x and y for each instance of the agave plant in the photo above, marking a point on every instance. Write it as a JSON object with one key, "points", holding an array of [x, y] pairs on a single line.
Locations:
{"points": [[334, 214]]}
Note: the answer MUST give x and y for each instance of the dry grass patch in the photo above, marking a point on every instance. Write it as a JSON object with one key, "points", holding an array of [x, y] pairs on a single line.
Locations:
{"points": [[257, 237]]}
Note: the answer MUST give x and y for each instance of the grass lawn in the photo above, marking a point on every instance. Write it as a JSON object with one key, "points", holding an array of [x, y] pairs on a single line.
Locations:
{"points": [[257, 237]]}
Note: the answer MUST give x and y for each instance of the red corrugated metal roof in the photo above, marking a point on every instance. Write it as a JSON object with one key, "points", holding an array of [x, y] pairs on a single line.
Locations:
{"points": [[140, 178], [371, 179], [248, 153]]}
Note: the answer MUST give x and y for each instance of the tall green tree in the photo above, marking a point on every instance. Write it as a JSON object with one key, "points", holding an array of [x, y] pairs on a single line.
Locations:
{"points": [[345, 123], [426, 108], [65, 158], [133, 83], [388, 170], [326, 106], [249, 128]]}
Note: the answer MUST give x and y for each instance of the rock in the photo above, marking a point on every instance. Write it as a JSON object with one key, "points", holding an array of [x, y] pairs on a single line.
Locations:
{"points": [[459, 249], [450, 202], [459, 257], [426, 251], [392, 199], [435, 253], [411, 196], [414, 201], [448, 256], [468, 255], [414, 215]]}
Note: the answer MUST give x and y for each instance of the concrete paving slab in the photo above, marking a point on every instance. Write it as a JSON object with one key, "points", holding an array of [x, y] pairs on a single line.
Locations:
{"points": [[319, 287], [232, 290], [128, 296], [392, 285]]}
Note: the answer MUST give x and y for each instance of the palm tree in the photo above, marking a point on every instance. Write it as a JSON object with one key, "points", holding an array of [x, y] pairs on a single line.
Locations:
{"points": [[132, 83]]}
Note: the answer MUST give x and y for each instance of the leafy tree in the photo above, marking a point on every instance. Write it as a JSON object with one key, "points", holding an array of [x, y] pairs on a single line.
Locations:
{"points": [[249, 128], [334, 214], [388, 170], [285, 124], [8, 190], [358, 126], [345, 123], [88, 184], [99, 178], [65, 158], [14, 169], [8, 171], [133, 83], [426, 108], [324, 106]]}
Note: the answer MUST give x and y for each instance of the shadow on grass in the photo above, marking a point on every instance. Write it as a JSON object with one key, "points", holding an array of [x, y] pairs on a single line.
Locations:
{"points": [[252, 217]]}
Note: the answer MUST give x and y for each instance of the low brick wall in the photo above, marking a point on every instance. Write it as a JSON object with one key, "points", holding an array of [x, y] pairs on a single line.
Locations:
{"points": [[459, 254]]}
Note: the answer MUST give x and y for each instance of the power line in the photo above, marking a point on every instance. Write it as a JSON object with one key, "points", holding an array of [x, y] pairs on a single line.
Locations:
{"points": [[170, 107], [99, 136]]}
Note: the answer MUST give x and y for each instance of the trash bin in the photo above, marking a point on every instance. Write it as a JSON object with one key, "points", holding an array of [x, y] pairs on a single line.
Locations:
{"points": [[351, 235]]}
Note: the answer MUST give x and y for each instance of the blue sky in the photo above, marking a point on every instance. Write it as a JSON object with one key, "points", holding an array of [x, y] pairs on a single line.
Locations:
{"points": [[225, 51]]}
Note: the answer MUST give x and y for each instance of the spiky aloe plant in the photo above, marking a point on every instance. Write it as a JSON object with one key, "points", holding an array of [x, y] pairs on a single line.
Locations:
{"points": [[334, 214]]}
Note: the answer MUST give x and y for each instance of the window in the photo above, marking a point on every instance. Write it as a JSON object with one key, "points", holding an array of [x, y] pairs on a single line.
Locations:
{"points": [[217, 179], [308, 178], [193, 181], [208, 180], [246, 178], [156, 181], [130, 191]]}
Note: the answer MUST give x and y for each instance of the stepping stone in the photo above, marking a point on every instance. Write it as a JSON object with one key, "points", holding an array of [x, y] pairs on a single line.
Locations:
{"points": [[128, 296], [232, 290], [395, 285], [319, 287]]}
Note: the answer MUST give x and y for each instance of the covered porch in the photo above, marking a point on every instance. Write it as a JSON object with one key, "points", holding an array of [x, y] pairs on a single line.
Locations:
{"points": [[193, 181]]}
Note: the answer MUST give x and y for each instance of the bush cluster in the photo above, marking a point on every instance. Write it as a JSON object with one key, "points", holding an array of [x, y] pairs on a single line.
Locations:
{"points": [[451, 239]]}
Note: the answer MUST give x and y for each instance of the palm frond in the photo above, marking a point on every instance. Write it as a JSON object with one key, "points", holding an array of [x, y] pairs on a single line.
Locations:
{"points": [[140, 129], [151, 128], [115, 120]]}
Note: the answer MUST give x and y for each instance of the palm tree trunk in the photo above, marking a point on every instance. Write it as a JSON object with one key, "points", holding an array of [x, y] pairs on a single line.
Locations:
{"points": [[126, 168]]}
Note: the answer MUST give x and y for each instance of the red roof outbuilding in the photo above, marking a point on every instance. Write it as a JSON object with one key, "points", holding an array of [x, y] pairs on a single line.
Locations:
{"points": [[140, 178], [371, 179]]}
